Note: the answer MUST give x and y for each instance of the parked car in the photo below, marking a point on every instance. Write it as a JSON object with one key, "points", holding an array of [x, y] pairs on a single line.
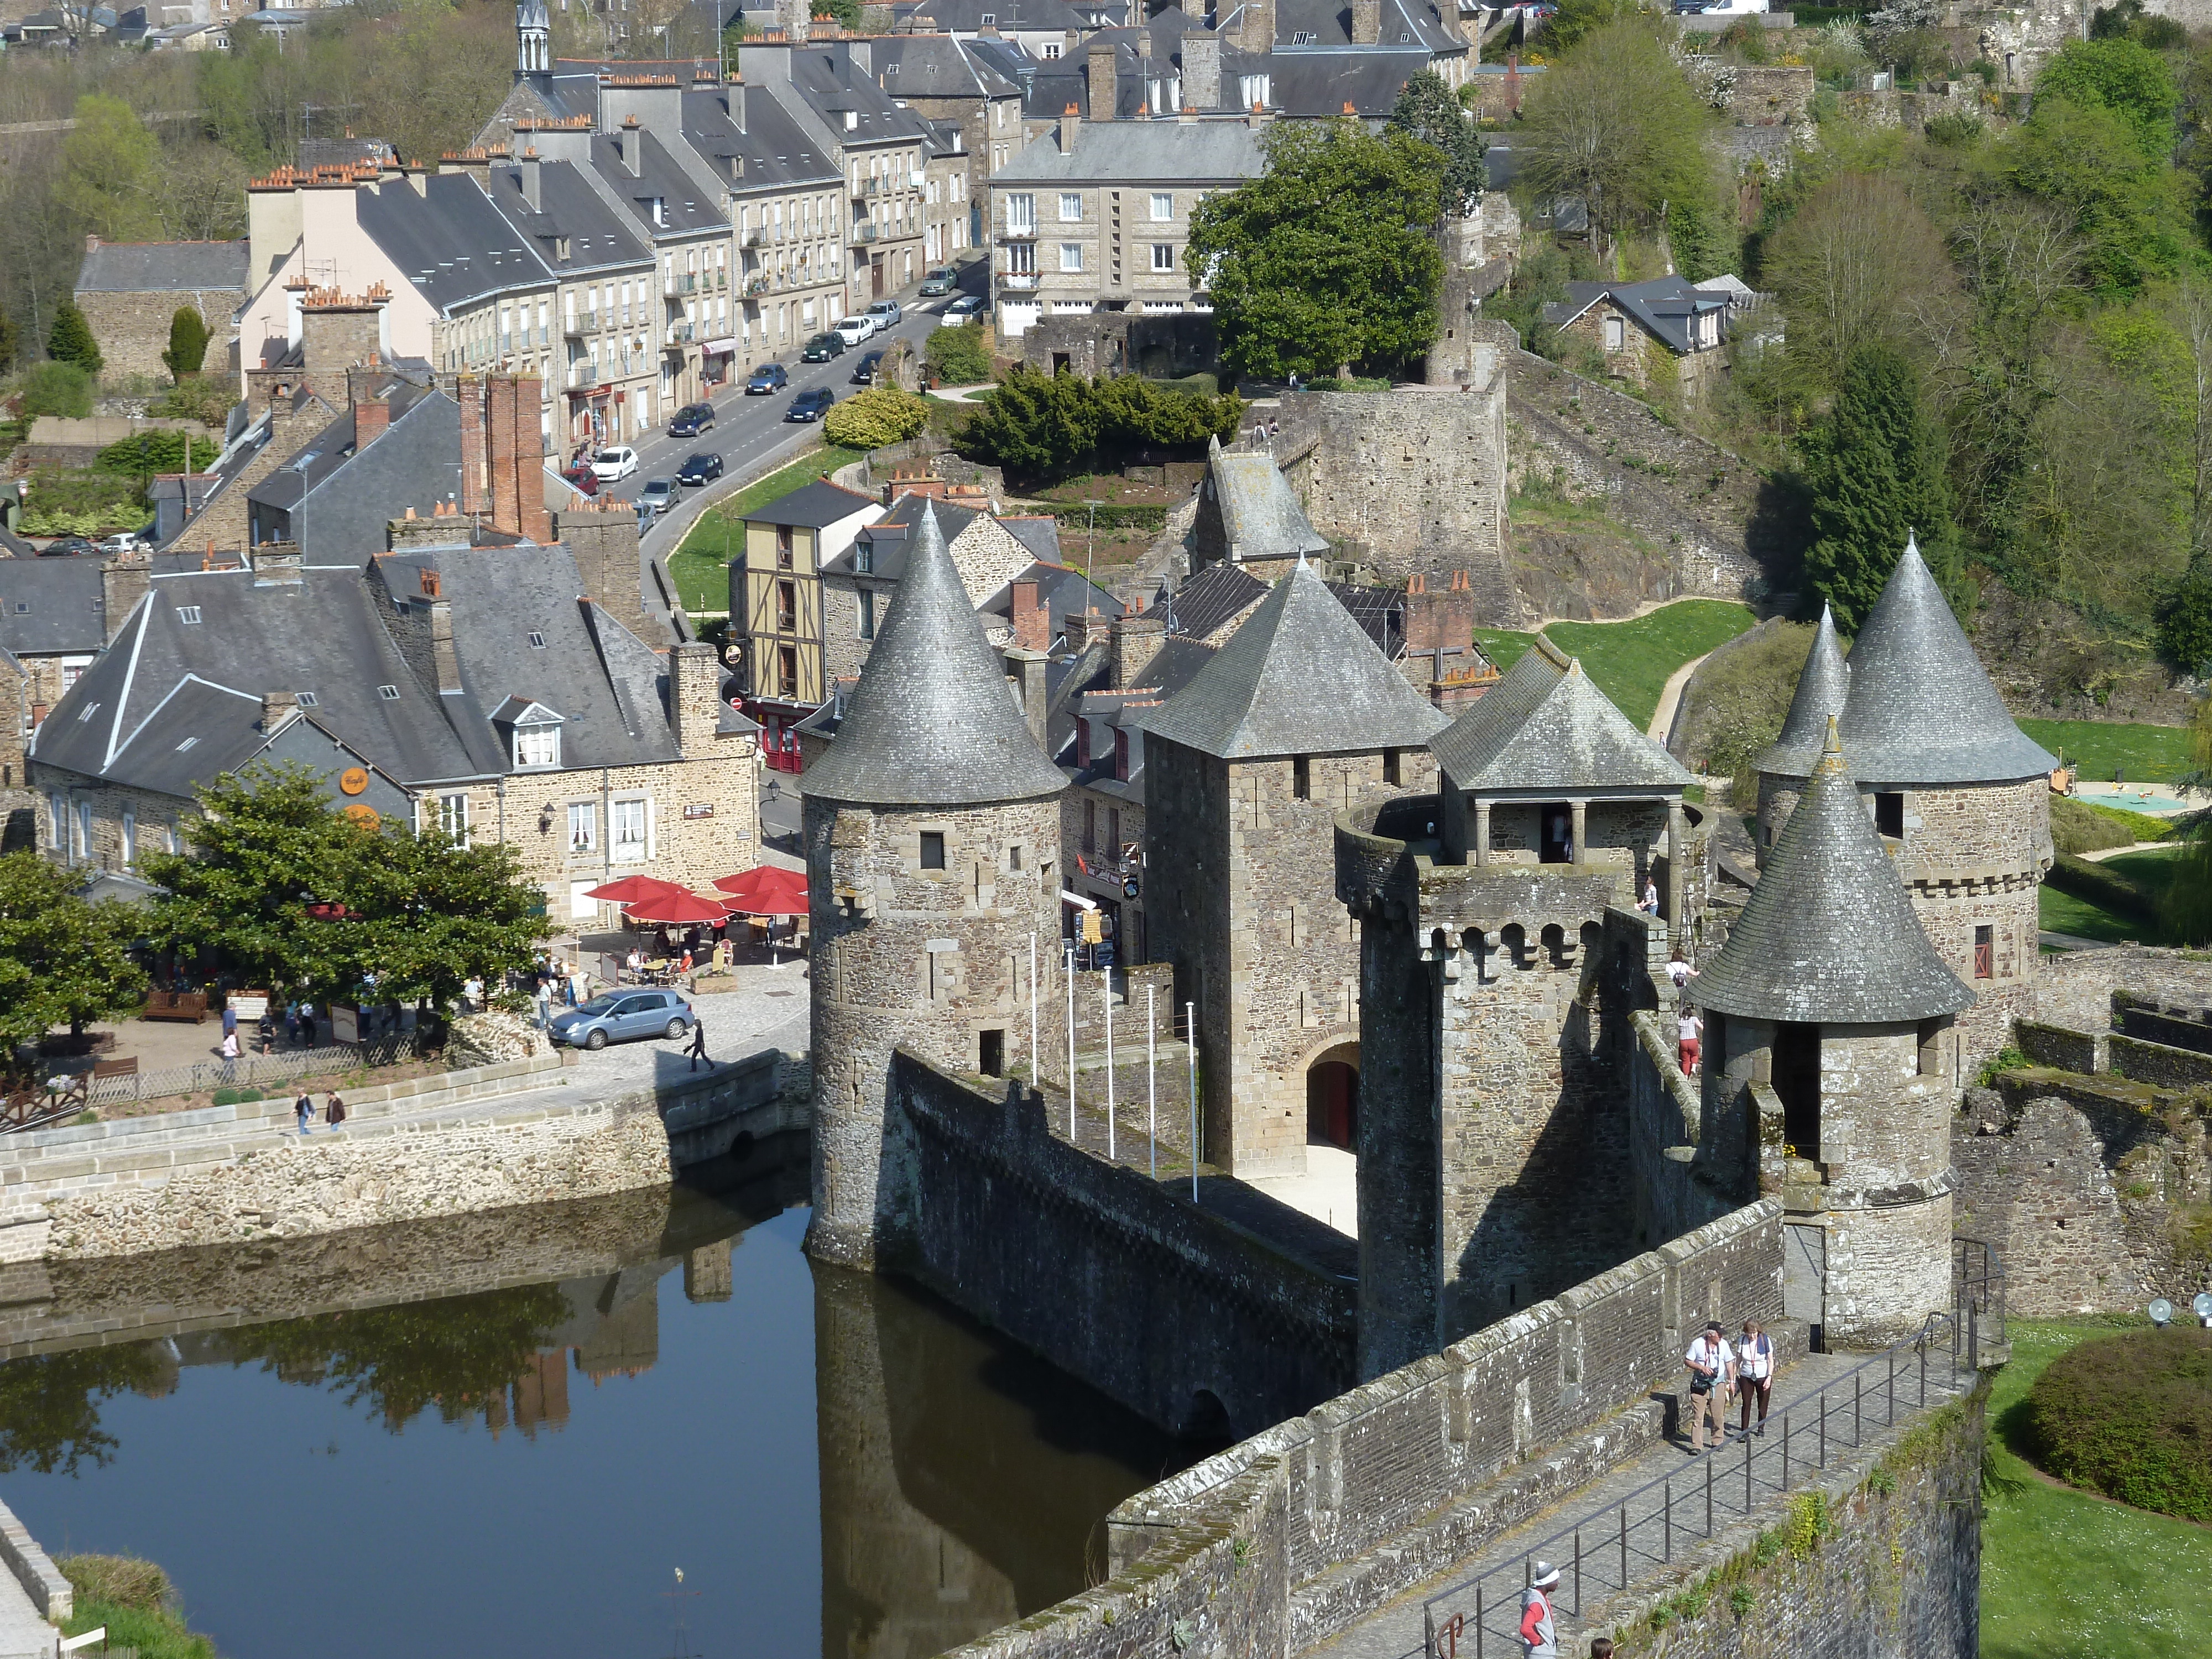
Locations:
{"points": [[852, 329], [942, 280], [612, 465], [691, 420], [658, 496], [767, 378], [128, 542], [699, 470], [885, 314], [66, 547], [581, 478], [967, 306], [822, 348], [623, 1016], [864, 372], [811, 405]]}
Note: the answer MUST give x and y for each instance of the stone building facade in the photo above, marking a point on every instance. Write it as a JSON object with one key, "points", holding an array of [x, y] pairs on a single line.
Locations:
{"points": [[130, 292], [932, 833]]}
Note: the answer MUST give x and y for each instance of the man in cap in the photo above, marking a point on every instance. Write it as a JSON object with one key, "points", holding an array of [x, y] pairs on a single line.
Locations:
{"points": [[1538, 1640]]}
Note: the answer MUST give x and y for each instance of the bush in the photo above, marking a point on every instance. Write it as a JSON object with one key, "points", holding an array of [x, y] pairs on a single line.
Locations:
{"points": [[52, 388], [882, 416], [2078, 827], [2105, 888], [188, 342], [959, 355], [70, 340], [205, 399], [1048, 425], [2129, 1416], [149, 452]]}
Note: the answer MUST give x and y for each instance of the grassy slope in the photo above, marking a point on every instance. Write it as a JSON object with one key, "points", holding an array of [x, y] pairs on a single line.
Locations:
{"points": [[1631, 661], [2149, 754], [700, 568], [2069, 1576], [2064, 913]]}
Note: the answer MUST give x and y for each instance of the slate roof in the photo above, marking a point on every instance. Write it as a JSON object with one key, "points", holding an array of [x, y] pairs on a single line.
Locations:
{"points": [[571, 204], [1132, 153], [932, 721], [1922, 709], [1214, 597], [163, 268], [448, 242], [1037, 532], [814, 505], [688, 206], [337, 505], [1828, 934], [1544, 725], [1664, 307], [1299, 677], [52, 607], [828, 81], [777, 148], [1261, 517], [966, 16], [940, 66], [1062, 590], [1821, 688]]}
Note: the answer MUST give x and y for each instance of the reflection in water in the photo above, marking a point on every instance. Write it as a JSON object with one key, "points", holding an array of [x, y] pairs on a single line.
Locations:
{"points": [[950, 1483]]}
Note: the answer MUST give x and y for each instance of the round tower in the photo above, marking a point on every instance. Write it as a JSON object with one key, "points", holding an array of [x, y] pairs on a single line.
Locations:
{"points": [[932, 830], [1960, 794], [1783, 767], [1830, 1036]]}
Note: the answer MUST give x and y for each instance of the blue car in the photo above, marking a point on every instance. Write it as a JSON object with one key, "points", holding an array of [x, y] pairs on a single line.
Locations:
{"points": [[811, 405], [622, 1016], [691, 420], [767, 378]]}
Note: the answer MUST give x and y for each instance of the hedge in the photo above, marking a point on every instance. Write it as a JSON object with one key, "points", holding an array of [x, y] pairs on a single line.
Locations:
{"points": [[1111, 516], [2130, 1417], [2071, 874]]}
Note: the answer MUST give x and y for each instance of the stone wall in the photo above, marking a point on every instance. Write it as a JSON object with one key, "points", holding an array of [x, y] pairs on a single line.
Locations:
{"points": [[1220, 1560], [1198, 1307], [51, 1595], [2078, 984], [2177, 1026], [132, 330]]}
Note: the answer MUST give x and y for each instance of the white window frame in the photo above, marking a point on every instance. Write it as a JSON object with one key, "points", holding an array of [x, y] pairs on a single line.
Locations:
{"points": [[130, 847], [1021, 214], [537, 744], [1164, 257], [628, 829], [453, 816], [1071, 207], [1070, 259], [583, 826], [1162, 206]]}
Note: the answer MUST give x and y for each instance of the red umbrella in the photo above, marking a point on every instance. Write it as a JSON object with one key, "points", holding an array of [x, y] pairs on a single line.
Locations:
{"points": [[678, 908], [630, 889], [769, 891]]}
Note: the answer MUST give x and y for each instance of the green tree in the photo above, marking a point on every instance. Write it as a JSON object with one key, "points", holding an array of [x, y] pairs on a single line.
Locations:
{"points": [[959, 355], [63, 960], [1326, 259], [70, 340], [882, 415], [2128, 79], [2126, 202], [1877, 477], [1036, 424], [2184, 621], [110, 172], [1616, 125], [1430, 110], [188, 342], [52, 388]]}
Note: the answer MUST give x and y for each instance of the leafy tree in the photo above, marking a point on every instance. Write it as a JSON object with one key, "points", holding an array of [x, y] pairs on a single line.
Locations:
{"points": [[1043, 425], [1858, 263], [2127, 204], [1877, 477], [846, 14], [1703, 238], [2121, 75], [1576, 20], [160, 450], [959, 355], [52, 388], [1329, 257], [1616, 125], [188, 342], [882, 415], [1431, 111], [72, 342], [424, 913], [63, 960], [2129, 21], [111, 171], [2184, 621]]}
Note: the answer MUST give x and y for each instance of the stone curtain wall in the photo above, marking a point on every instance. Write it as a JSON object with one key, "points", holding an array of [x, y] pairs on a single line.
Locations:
{"points": [[2078, 984], [133, 329], [1211, 1562], [1696, 500], [2176, 1027], [1147, 1299]]}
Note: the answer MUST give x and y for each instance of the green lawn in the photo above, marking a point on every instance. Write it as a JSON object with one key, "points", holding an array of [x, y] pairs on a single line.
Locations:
{"points": [[2069, 1576], [1631, 661], [2151, 869], [2149, 754], [701, 566]]}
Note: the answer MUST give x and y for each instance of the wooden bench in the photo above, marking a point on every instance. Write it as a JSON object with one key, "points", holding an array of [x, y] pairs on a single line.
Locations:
{"points": [[177, 1005]]}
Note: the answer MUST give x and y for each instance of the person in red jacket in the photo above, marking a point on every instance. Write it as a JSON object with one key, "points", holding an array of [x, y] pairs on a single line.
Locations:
{"points": [[1538, 1640]]}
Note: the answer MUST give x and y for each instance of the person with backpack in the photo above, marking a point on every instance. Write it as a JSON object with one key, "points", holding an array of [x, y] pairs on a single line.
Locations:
{"points": [[1539, 1638], [1754, 1370], [1711, 1363]]}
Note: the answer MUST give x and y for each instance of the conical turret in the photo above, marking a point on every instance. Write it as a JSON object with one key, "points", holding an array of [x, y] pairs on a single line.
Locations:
{"points": [[1821, 690]]}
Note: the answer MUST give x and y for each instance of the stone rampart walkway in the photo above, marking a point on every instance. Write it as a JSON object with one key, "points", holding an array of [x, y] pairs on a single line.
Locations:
{"points": [[1663, 1497]]}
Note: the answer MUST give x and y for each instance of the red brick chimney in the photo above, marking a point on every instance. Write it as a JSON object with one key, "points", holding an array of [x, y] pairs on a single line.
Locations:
{"points": [[530, 459], [1032, 626], [499, 455], [469, 392], [370, 416]]}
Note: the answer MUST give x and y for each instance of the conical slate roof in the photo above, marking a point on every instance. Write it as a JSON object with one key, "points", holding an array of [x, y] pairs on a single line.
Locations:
{"points": [[1829, 934], [1300, 676], [1545, 726], [1922, 709], [1821, 688], [932, 721]]}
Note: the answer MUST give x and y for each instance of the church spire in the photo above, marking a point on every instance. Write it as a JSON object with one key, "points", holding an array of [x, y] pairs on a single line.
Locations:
{"points": [[533, 39]]}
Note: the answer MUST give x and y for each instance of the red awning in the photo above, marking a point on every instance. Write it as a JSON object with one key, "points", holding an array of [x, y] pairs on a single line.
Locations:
{"points": [[767, 890], [630, 889], [679, 909]]}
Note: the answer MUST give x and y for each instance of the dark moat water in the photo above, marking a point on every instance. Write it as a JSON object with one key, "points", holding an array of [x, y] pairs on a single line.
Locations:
{"points": [[503, 1436]]}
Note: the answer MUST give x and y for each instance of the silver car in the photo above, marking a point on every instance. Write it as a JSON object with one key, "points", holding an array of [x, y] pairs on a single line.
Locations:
{"points": [[621, 1017], [659, 495]]}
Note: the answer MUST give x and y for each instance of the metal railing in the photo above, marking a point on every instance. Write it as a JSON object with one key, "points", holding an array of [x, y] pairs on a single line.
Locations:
{"points": [[1977, 1287], [1604, 1551], [862, 234], [248, 1071]]}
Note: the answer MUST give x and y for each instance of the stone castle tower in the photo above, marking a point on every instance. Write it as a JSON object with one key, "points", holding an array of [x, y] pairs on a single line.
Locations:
{"points": [[1298, 717], [932, 831], [1831, 1063], [1959, 795], [1494, 1164]]}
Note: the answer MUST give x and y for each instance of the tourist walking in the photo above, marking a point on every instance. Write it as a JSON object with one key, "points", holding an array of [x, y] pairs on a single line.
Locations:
{"points": [[303, 1110], [1539, 1638], [1711, 1363], [545, 1005], [1754, 1370], [1679, 969], [1651, 905], [229, 1019], [334, 1113], [1690, 1032], [698, 1048], [230, 1050]]}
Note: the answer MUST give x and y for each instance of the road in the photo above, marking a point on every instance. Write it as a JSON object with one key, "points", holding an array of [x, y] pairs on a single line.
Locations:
{"points": [[750, 434]]}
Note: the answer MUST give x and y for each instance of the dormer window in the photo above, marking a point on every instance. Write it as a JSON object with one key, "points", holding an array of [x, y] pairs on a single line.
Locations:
{"points": [[852, 119], [533, 732], [563, 248], [537, 745]]}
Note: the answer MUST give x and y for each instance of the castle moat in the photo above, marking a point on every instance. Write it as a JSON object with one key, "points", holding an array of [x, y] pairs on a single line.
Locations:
{"points": [[505, 1435]]}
